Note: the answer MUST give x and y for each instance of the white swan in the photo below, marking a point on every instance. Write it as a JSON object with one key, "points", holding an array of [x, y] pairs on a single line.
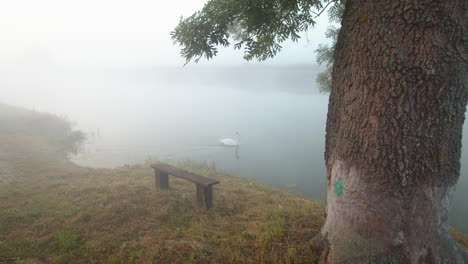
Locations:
{"points": [[231, 142]]}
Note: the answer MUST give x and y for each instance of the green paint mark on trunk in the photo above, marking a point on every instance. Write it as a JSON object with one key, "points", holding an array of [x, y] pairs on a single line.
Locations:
{"points": [[338, 187]]}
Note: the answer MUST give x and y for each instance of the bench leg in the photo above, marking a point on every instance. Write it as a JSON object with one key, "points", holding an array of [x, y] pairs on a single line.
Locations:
{"points": [[208, 191], [205, 196], [161, 180], [200, 194]]}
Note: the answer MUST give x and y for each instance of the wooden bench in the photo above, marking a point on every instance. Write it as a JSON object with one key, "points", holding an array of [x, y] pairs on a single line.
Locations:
{"points": [[204, 184]]}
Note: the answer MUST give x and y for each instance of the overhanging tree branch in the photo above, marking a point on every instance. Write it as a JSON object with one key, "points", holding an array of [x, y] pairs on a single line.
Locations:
{"points": [[260, 26]]}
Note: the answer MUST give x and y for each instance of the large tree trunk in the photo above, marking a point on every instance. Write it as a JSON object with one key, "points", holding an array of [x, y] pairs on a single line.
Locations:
{"points": [[394, 132]]}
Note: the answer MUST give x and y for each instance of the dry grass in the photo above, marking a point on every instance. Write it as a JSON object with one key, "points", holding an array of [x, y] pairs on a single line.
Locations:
{"points": [[70, 214]]}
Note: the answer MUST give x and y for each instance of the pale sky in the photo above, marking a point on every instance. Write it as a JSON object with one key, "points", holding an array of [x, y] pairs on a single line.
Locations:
{"points": [[114, 33]]}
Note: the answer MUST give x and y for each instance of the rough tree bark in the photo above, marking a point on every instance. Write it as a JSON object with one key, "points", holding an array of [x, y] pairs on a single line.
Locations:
{"points": [[394, 132]]}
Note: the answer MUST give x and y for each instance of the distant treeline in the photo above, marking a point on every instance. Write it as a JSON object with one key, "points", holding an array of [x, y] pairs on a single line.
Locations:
{"points": [[288, 78], [296, 78]]}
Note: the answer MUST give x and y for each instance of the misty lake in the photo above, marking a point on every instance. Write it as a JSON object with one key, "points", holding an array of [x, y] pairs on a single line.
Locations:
{"points": [[180, 114]]}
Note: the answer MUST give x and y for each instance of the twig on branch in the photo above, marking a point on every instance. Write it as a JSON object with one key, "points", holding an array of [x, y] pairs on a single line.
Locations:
{"points": [[323, 9]]}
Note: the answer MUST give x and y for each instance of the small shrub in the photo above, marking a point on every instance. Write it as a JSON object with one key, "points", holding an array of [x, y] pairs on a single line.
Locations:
{"points": [[67, 239]]}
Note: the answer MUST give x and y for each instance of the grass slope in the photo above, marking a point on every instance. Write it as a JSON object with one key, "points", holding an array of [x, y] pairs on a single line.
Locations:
{"points": [[77, 215], [52, 211]]}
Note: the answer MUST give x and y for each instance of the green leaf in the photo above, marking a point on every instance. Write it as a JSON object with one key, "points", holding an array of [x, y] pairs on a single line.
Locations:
{"points": [[257, 26]]}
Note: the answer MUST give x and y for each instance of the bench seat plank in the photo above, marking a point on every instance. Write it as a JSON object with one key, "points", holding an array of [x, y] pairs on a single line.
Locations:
{"points": [[198, 179]]}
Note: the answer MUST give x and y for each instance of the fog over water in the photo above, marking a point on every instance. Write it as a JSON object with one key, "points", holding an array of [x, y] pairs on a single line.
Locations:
{"points": [[171, 113]]}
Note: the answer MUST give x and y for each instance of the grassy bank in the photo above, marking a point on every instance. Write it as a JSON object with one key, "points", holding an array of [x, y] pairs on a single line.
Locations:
{"points": [[53, 211], [78, 215]]}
